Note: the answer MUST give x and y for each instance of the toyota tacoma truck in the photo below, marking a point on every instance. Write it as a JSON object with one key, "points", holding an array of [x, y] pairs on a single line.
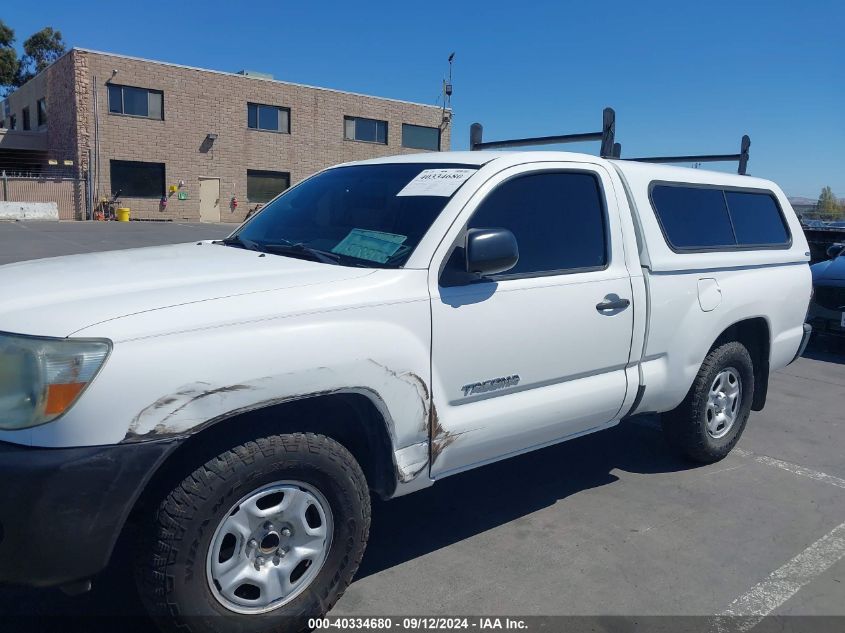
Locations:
{"points": [[374, 329]]}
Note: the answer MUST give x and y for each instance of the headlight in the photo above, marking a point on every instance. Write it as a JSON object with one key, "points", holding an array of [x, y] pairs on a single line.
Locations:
{"points": [[41, 378]]}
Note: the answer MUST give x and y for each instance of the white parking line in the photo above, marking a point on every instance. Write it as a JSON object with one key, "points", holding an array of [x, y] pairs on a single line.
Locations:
{"points": [[784, 582], [789, 467], [795, 469]]}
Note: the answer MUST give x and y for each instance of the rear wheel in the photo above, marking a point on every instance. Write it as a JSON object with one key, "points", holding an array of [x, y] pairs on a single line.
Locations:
{"points": [[711, 419], [260, 538]]}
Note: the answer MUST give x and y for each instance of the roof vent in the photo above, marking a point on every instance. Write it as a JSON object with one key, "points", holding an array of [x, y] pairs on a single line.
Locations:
{"points": [[256, 74]]}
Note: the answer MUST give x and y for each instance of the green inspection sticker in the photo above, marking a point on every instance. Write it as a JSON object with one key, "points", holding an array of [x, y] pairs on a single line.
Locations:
{"points": [[374, 246]]}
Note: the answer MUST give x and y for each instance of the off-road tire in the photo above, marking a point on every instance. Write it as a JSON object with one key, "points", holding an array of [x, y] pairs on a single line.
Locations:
{"points": [[171, 571], [685, 426]]}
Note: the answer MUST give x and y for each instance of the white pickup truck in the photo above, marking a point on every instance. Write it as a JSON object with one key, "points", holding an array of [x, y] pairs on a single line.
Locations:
{"points": [[380, 326]]}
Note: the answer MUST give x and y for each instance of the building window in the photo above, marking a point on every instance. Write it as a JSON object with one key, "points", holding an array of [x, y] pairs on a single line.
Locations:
{"points": [[135, 179], [42, 112], [13, 122], [263, 186], [25, 113], [710, 218], [421, 137], [139, 102], [558, 219], [267, 117], [367, 130]]}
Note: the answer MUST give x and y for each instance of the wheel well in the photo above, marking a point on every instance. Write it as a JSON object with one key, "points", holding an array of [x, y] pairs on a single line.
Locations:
{"points": [[350, 419], [754, 334]]}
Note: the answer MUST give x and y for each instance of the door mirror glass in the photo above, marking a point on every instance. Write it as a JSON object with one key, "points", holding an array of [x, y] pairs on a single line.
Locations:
{"points": [[490, 251], [834, 250]]}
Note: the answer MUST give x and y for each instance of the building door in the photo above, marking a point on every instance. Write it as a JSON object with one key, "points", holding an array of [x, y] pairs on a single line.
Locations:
{"points": [[209, 199]]}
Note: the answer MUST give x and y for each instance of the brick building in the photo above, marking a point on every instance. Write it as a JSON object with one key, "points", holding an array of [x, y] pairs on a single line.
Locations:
{"points": [[184, 143]]}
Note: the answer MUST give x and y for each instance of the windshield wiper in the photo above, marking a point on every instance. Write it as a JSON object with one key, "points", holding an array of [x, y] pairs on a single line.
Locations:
{"points": [[300, 250], [237, 240]]}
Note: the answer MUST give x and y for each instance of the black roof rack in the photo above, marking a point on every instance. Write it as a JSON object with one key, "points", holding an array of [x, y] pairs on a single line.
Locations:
{"points": [[605, 135], [741, 158], [609, 148]]}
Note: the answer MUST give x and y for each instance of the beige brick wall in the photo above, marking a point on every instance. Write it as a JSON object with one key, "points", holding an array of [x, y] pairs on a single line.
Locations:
{"points": [[63, 85], [26, 97], [65, 88], [198, 102]]}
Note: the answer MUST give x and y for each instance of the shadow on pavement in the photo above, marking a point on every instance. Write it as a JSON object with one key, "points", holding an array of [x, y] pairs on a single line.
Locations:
{"points": [[456, 508], [464, 505]]}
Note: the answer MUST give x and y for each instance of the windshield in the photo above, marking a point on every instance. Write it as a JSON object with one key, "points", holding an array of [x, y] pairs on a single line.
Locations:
{"points": [[362, 215]]}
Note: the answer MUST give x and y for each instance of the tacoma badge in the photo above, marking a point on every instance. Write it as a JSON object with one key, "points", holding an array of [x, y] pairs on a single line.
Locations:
{"points": [[493, 384]]}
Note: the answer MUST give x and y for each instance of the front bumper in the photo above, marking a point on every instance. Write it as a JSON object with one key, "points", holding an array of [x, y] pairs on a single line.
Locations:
{"points": [[826, 309], [827, 325], [62, 509]]}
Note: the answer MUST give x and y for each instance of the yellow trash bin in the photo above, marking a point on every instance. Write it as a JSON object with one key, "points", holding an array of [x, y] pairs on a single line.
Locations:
{"points": [[123, 214]]}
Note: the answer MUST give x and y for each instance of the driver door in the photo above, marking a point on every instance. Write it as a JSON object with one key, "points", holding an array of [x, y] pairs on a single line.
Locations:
{"points": [[527, 357]]}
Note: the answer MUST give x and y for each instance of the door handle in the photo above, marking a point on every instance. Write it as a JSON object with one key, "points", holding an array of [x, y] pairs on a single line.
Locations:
{"points": [[612, 304]]}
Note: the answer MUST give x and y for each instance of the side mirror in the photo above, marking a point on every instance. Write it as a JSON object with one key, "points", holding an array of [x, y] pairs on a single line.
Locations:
{"points": [[490, 251], [834, 250]]}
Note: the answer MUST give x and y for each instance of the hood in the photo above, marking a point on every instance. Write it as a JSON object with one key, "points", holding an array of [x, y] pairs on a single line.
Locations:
{"points": [[61, 295], [830, 270]]}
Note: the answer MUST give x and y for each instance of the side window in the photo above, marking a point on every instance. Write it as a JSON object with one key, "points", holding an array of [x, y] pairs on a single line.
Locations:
{"points": [[139, 102], [267, 117], [693, 217], [262, 186], [366, 130], [757, 219], [421, 137], [137, 179], [558, 219]]}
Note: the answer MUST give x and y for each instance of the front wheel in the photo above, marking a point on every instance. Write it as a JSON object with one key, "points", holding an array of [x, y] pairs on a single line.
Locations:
{"points": [[710, 420], [260, 538]]}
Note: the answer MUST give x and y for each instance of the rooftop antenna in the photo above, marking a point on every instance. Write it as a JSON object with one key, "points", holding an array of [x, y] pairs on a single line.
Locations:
{"points": [[447, 93]]}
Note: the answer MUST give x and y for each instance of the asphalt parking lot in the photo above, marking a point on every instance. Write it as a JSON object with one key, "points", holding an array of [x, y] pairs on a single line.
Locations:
{"points": [[33, 240], [608, 524]]}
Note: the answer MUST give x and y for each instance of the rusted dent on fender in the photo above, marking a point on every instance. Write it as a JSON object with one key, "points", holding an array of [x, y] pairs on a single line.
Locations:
{"points": [[411, 461], [162, 430], [440, 437], [185, 396], [407, 471], [196, 406], [411, 378], [420, 384]]}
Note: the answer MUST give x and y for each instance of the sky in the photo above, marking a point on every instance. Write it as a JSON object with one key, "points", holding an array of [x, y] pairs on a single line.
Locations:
{"points": [[683, 77]]}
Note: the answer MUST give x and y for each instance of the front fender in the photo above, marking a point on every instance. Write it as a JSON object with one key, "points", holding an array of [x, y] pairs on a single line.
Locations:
{"points": [[175, 385]]}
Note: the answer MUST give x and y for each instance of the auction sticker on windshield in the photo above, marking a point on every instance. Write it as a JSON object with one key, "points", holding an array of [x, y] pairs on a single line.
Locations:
{"points": [[374, 246], [436, 182]]}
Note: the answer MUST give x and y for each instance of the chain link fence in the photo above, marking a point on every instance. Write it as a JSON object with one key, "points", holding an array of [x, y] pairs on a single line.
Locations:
{"points": [[68, 191]]}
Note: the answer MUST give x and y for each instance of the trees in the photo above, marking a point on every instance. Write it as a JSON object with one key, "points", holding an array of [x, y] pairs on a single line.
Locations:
{"points": [[828, 203], [40, 50], [8, 56]]}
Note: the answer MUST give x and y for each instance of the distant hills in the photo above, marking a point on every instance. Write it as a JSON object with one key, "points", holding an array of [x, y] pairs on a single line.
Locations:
{"points": [[798, 201]]}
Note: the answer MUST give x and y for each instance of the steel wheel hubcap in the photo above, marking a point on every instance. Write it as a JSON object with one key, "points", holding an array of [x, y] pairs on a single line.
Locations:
{"points": [[723, 402], [269, 547]]}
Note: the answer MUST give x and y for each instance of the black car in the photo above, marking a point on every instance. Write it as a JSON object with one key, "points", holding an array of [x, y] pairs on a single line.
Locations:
{"points": [[827, 310]]}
